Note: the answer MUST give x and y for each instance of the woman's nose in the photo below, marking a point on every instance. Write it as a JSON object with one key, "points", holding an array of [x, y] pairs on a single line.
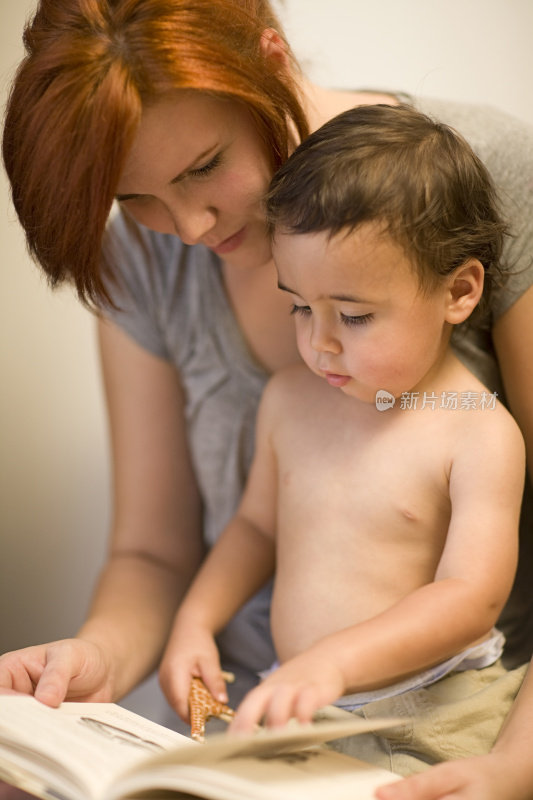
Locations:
{"points": [[192, 225], [191, 216]]}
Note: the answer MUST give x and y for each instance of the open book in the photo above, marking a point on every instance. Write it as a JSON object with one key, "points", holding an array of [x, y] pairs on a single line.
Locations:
{"points": [[100, 751]]}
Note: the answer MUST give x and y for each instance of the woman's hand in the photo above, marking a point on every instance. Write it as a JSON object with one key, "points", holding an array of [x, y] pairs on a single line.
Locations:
{"points": [[69, 669], [297, 689], [489, 777]]}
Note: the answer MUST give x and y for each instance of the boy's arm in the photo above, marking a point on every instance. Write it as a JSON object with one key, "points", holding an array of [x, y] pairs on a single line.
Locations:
{"points": [[475, 572], [240, 563], [471, 585]]}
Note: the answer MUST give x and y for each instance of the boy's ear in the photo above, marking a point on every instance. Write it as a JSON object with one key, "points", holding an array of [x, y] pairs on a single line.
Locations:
{"points": [[274, 49], [464, 290]]}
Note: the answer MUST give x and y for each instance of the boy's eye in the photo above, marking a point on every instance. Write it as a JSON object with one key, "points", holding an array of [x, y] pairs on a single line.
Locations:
{"points": [[362, 319], [303, 310], [200, 172]]}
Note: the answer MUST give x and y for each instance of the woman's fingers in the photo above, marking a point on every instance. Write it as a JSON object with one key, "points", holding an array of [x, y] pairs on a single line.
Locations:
{"points": [[21, 670], [59, 669], [70, 668], [467, 779]]}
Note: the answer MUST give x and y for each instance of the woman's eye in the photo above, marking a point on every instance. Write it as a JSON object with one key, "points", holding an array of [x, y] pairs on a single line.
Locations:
{"points": [[200, 172], [302, 310], [137, 199], [362, 319]]}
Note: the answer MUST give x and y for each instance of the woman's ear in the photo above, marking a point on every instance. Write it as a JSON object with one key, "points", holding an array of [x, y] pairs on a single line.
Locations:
{"points": [[465, 288], [274, 49]]}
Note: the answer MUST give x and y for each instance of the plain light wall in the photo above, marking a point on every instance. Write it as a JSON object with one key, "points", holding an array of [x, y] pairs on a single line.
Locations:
{"points": [[54, 463], [54, 496], [472, 50]]}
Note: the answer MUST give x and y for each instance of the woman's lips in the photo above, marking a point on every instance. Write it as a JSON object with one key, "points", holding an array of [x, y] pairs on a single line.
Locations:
{"points": [[336, 380], [230, 244]]}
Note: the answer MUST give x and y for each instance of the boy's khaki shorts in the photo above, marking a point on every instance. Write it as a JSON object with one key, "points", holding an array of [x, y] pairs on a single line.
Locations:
{"points": [[460, 715]]}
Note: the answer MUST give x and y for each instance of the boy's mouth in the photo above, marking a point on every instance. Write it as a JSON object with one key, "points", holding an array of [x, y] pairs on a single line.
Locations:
{"points": [[336, 380]]}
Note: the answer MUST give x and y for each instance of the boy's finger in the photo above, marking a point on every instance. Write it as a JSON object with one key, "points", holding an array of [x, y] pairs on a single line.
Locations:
{"points": [[306, 704], [177, 691], [250, 712], [214, 682], [282, 706]]}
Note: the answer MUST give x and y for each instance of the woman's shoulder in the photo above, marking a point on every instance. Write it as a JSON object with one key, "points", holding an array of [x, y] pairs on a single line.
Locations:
{"points": [[155, 281], [499, 138]]}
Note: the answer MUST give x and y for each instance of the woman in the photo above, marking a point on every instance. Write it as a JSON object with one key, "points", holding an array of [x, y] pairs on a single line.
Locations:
{"points": [[182, 112]]}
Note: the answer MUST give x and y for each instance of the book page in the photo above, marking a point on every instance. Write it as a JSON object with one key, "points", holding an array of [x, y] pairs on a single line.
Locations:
{"points": [[313, 774], [100, 750], [267, 742], [62, 746], [281, 764]]}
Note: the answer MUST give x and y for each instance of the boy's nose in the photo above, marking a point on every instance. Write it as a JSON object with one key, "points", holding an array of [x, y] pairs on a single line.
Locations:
{"points": [[323, 339]]}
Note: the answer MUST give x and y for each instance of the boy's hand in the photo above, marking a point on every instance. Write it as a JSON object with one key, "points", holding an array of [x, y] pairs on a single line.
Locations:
{"points": [[70, 669], [297, 689], [191, 653]]}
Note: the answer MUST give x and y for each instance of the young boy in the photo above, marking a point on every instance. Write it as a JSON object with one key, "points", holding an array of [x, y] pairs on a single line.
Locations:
{"points": [[387, 480]]}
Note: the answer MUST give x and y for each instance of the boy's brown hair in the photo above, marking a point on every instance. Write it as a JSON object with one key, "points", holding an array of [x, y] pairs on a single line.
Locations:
{"points": [[393, 165]]}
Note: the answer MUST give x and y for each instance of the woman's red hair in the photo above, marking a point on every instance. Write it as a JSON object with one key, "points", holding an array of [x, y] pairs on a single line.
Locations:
{"points": [[77, 99]]}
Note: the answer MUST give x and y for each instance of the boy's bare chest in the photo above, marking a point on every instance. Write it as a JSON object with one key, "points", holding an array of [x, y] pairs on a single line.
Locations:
{"points": [[363, 513], [383, 480]]}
